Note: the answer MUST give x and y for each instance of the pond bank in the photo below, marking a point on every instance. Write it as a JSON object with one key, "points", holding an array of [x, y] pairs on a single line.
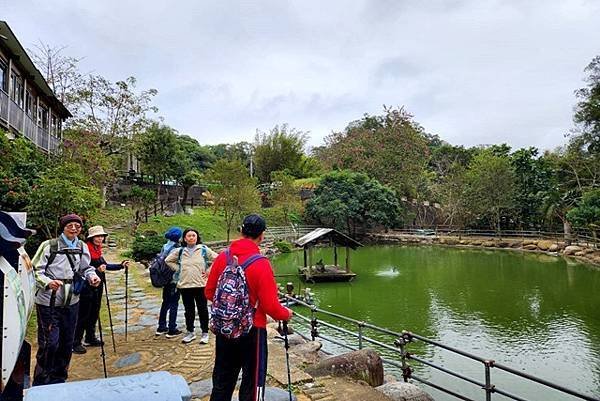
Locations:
{"points": [[581, 252]]}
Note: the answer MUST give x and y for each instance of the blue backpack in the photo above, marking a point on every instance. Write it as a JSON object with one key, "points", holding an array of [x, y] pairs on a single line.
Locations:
{"points": [[232, 315]]}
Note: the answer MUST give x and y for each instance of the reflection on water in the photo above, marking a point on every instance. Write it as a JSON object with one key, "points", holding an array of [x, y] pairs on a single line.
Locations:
{"points": [[528, 311]]}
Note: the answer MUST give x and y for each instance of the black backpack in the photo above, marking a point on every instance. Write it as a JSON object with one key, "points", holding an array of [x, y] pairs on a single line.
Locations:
{"points": [[160, 273]]}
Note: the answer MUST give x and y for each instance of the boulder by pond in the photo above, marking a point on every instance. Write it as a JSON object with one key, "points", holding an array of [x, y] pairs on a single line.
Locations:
{"points": [[365, 365]]}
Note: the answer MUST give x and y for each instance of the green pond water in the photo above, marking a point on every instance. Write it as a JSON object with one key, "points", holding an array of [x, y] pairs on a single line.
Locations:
{"points": [[533, 312]]}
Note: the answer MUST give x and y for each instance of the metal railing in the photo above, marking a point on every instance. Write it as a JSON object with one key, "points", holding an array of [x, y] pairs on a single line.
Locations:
{"points": [[24, 124], [291, 232], [399, 346], [578, 236]]}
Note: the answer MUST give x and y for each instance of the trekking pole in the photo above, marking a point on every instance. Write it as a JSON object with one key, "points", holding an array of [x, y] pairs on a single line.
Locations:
{"points": [[112, 331], [287, 356], [126, 298], [102, 353]]}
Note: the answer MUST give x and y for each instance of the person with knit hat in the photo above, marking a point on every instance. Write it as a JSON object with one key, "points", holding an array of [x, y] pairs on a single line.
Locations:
{"points": [[90, 299], [62, 265], [170, 294]]}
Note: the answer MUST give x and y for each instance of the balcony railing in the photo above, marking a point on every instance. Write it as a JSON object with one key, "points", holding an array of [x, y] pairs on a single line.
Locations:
{"points": [[24, 124]]}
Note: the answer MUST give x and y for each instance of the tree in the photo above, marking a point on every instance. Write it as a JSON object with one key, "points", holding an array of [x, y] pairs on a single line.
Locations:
{"points": [[197, 157], [391, 148], [60, 71], [158, 152], [140, 199], [21, 165], [587, 213], [286, 196], [533, 177], [61, 189], [453, 195], [491, 183], [83, 149], [234, 191], [282, 148], [587, 111], [348, 200], [116, 111]]}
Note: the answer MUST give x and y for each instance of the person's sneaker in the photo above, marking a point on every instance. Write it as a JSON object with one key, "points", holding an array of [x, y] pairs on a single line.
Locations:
{"points": [[204, 338], [79, 349], [93, 342], [173, 333], [160, 332], [189, 337]]}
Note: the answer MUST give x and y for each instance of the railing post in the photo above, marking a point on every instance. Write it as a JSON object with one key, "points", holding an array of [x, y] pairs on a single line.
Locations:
{"points": [[314, 333], [401, 343], [489, 387], [360, 334]]}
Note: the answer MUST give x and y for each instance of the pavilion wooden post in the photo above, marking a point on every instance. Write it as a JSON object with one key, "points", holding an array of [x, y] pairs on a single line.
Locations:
{"points": [[347, 259], [305, 256], [335, 256]]}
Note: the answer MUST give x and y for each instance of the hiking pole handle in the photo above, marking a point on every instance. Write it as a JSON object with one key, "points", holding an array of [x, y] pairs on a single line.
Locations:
{"points": [[285, 335]]}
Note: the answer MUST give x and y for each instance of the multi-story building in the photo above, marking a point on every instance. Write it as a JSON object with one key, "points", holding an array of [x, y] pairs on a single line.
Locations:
{"points": [[28, 106]]}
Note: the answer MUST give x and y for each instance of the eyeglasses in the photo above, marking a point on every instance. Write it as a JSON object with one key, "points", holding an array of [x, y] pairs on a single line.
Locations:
{"points": [[73, 226]]}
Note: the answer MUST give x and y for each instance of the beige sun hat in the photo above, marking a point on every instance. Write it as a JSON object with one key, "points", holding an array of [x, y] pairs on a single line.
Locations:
{"points": [[96, 231]]}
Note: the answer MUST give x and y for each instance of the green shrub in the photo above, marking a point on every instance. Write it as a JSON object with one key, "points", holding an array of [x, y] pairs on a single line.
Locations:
{"points": [[283, 246], [145, 247]]}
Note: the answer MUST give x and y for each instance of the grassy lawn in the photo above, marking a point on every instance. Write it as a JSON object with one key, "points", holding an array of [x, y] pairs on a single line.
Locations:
{"points": [[210, 225]]}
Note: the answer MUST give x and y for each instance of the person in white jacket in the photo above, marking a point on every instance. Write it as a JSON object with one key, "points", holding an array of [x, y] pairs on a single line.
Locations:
{"points": [[191, 264]]}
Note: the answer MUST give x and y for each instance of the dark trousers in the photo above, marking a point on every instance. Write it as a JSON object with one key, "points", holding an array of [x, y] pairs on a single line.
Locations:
{"points": [[56, 329], [248, 353], [192, 298], [170, 303], [90, 301]]}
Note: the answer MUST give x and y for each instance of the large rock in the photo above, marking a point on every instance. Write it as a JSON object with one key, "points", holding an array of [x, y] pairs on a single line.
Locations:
{"points": [[400, 391], [530, 247], [554, 248], [545, 245], [571, 249], [365, 365], [307, 352], [488, 244]]}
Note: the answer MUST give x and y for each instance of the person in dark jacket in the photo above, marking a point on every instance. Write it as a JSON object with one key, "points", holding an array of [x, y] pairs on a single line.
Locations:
{"points": [[90, 299], [170, 293]]}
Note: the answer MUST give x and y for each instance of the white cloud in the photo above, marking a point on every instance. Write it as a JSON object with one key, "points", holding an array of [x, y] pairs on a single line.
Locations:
{"points": [[471, 71]]}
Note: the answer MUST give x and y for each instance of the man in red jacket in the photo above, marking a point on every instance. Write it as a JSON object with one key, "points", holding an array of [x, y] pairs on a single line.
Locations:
{"points": [[249, 352]]}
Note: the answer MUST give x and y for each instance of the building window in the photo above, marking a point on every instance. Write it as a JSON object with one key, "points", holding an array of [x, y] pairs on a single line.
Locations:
{"points": [[29, 104], [16, 93], [43, 116], [54, 128], [3, 76]]}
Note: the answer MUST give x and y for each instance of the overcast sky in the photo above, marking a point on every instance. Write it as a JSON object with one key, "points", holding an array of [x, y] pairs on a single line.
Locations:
{"points": [[473, 72]]}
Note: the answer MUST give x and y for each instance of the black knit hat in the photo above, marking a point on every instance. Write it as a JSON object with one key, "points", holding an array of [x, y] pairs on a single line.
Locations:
{"points": [[253, 225], [69, 218]]}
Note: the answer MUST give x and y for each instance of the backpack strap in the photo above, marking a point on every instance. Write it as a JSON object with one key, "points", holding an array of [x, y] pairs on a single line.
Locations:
{"points": [[228, 258], [205, 256], [251, 260]]}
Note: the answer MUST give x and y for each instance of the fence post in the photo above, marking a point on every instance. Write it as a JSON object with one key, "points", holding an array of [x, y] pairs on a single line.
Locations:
{"points": [[489, 388], [155, 210], [360, 334], [401, 342], [146, 215], [192, 202], [162, 206], [314, 333]]}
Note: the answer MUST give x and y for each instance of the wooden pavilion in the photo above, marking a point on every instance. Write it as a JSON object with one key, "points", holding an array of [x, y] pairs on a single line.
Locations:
{"points": [[320, 272]]}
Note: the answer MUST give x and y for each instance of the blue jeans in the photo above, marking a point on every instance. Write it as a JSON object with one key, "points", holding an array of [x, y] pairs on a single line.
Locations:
{"points": [[170, 303]]}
